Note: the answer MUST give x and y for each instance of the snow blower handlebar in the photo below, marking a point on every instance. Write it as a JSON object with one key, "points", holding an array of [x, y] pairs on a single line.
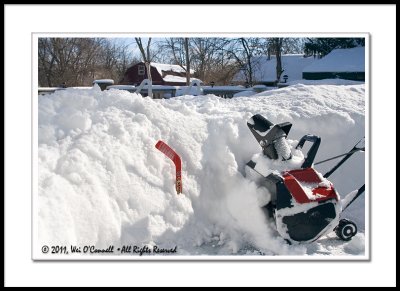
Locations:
{"points": [[360, 146], [312, 152], [335, 157], [351, 197]]}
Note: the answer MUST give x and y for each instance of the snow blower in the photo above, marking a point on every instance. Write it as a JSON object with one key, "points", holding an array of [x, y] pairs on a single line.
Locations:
{"points": [[304, 204]]}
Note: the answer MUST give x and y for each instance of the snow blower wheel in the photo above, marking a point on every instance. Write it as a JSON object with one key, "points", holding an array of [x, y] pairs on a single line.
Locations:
{"points": [[346, 229]]}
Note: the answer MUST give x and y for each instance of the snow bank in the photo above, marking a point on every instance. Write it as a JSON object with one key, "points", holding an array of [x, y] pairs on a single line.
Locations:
{"points": [[101, 181]]}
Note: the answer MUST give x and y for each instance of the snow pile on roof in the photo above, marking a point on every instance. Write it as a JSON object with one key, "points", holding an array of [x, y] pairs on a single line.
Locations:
{"points": [[259, 87], [102, 182], [245, 93], [122, 87], [50, 88], [100, 81], [226, 88], [265, 70], [171, 78], [167, 67], [340, 60]]}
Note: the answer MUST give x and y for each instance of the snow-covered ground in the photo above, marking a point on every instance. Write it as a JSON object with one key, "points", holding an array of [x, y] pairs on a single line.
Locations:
{"points": [[102, 182]]}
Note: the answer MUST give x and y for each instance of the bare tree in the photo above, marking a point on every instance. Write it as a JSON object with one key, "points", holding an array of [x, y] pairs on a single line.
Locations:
{"points": [[186, 41], [114, 60], [279, 46], [208, 56], [78, 61], [46, 62], [293, 45], [68, 60], [146, 58], [179, 52], [276, 46], [244, 51], [125, 60], [173, 47]]}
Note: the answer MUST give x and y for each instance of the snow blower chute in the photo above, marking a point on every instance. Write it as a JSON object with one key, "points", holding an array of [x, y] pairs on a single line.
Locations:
{"points": [[304, 204]]}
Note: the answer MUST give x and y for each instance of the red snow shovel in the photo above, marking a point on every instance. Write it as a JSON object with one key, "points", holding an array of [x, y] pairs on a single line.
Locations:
{"points": [[170, 153]]}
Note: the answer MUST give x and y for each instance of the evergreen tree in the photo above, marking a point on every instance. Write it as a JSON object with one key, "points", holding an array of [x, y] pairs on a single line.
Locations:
{"points": [[319, 47]]}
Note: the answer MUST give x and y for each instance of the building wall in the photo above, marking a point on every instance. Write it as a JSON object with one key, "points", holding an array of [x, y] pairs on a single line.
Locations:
{"points": [[132, 77], [175, 83], [355, 76]]}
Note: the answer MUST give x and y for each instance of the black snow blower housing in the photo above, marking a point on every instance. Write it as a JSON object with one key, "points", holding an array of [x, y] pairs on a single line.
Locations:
{"points": [[304, 204]]}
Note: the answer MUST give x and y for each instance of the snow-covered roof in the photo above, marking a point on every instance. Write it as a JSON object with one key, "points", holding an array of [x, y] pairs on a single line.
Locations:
{"points": [[171, 78], [259, 87], [226, 88], [264, 70], [108, 81], [81, 88], [340, 60], [122, 87], [44, 89], [167, 67], [134, 88]]}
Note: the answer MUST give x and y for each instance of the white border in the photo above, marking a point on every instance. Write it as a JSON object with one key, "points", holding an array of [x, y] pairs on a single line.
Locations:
{"points": [[20, 21], [36, 248]]}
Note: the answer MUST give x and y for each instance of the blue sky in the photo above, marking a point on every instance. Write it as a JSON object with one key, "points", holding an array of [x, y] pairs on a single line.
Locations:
{"points": [[130, 41]]}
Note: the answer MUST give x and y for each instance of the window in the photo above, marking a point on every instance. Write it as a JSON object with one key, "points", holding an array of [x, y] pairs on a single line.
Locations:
{"points": [[140, 70]]}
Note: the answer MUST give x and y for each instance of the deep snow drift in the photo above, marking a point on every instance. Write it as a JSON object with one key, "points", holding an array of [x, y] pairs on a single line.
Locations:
{"points": [[101, 180]]}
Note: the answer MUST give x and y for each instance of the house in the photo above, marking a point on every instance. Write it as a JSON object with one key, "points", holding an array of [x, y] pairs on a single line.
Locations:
{"points": [[338, 64], [161, 74], [264, 69]]}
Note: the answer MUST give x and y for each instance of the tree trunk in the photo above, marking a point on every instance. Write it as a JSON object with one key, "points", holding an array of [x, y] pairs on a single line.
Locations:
{"points": [[248, 55], [146, 60], [187, 61], [278, 67], [250, 71], [148, 69], [278, 51], [148, 66]]}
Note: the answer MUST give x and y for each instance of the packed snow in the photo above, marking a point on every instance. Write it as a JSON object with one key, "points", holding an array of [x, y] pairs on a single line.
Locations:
{"points": [[340, 60], [102, 182]]}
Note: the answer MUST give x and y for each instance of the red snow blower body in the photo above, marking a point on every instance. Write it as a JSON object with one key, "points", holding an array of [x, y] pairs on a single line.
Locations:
{"points": [[304, 204]]}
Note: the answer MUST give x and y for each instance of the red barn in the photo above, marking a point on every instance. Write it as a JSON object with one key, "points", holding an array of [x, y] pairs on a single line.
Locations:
{"points": [[161, 74]]}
